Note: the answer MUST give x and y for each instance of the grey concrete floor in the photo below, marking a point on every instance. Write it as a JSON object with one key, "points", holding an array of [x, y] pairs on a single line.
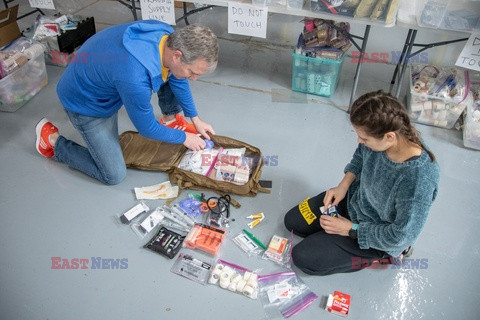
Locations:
{"points": [[49, 210]]}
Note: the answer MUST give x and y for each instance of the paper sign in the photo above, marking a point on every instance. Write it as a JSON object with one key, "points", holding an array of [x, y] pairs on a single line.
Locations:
{"points": [[247, 19], [162, 10], [470, 56], [43, 4]]}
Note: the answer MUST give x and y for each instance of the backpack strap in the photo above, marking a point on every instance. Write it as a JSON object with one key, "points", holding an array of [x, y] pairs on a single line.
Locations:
{"points": [[264, 190]]}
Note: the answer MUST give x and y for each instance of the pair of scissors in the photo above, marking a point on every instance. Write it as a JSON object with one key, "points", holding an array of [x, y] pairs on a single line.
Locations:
{"points": [[207, 205]]}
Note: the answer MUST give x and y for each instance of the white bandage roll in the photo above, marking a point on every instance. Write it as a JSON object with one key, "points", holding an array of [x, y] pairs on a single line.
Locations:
{"points": [[253, 284], [253, 281], [219, 267], [213, 279], [228, 270], [232, 287], [236, 278], [224, 283], [246, 275], [240, 285], [248, 291], [215, 275], [225, 276]]}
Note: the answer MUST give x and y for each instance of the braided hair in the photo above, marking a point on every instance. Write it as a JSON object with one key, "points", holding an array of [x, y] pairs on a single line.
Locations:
{"points": [[379, 112]]}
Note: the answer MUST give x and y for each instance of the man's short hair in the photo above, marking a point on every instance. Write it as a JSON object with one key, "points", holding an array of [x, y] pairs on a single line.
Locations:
{"points": [[195, 42]]}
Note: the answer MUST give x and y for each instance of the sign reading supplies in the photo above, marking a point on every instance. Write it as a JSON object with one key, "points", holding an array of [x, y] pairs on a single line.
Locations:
{"points": [[248, 20], [470, 56], [43, 4], [162, 10]]}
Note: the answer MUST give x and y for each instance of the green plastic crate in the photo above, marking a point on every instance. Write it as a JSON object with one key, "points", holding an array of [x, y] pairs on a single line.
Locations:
{"points": [[315, 75]]}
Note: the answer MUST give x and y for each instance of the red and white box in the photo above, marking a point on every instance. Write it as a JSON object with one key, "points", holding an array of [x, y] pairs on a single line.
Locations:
{"points": [[338, 303]]}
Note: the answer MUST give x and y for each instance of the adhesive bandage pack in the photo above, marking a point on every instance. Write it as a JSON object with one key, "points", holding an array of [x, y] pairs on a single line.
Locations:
{"points": [[278, 251]]}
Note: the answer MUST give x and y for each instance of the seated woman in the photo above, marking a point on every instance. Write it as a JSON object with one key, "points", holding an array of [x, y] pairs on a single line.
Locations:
{"points": [[383, 200]]}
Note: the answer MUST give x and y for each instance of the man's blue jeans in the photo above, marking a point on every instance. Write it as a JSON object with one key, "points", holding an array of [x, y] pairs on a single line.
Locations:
{"points": [[102, 157]]}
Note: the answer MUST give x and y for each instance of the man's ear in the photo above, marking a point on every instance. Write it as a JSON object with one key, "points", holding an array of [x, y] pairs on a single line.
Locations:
{"points": [[177, 56]]}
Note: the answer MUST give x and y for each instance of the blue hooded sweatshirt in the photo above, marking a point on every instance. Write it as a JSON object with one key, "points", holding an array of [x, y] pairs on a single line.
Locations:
{"points": [[121, 66]]}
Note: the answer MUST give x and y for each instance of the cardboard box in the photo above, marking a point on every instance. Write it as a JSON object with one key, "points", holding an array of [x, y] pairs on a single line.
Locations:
{"points": [[9, 30], [179, 4], [338, 303]]}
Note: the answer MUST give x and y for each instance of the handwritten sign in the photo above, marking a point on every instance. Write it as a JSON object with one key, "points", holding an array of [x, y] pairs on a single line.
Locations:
{"points": [[43, 4], [470, 56], [247, 20], [162, 10]]}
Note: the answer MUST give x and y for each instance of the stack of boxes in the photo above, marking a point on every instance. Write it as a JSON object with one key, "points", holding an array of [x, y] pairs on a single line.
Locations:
{"points": [[318, 58]]}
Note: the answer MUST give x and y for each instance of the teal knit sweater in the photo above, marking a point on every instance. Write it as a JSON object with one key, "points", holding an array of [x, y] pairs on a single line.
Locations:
{"points": [[390, 200]]}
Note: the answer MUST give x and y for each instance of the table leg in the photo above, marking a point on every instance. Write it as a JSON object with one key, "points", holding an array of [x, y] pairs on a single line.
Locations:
{"points": [[404, 62], [357, 72], [402, 57], [134, 10]]}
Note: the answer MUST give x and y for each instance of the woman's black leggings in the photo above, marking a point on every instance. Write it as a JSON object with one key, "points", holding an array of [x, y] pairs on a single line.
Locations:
{"points": [[320, 253]]}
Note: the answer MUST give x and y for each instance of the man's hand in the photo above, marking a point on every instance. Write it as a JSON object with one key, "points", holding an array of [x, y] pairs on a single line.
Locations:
{"points": [[202, 127], [194, 142], [332, 225]]}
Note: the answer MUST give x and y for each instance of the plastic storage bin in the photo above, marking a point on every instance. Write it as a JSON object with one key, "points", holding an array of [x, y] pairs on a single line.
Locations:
{"points": [[471, 128], [19, 87], [459, 15], [428, 100], [295, 5], [315, 75]]}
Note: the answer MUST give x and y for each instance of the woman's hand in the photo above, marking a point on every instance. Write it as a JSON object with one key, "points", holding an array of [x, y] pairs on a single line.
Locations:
{"points": [[332, 225], [333, 196], [202, 127]]}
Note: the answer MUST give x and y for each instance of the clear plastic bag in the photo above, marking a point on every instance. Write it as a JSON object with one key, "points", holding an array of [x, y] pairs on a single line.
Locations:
{"points": [[279, 250], [131, 214], [235, 278], [249, 244], [447, 83], [192, 268], [284, 294]]}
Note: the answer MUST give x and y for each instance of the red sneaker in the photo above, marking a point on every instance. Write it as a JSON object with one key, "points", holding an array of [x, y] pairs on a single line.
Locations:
{"points": [[43, 130], [180, 123]]}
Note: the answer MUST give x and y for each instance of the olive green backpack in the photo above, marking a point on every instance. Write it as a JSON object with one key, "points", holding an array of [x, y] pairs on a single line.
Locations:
{"points": [[147, 154]]}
